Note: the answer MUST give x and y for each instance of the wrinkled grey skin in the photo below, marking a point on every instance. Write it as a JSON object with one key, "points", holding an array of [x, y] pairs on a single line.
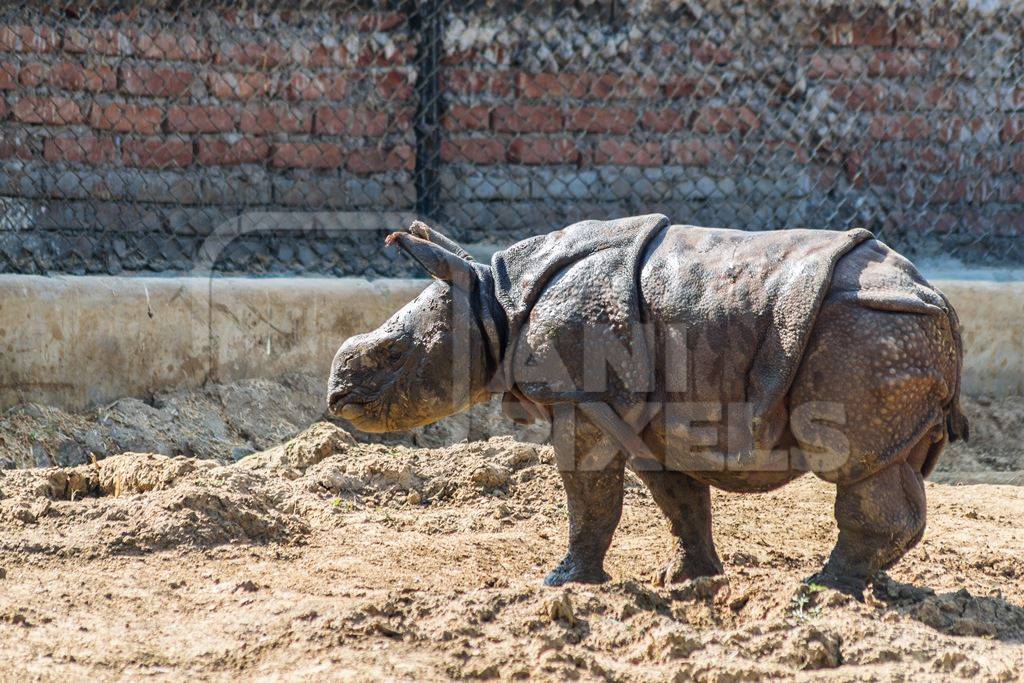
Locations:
{"points": [[399, 376], [887, 369]]}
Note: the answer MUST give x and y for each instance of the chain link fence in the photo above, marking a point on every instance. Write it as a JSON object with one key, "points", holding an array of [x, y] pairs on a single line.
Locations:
{"points": [[293, 136]]}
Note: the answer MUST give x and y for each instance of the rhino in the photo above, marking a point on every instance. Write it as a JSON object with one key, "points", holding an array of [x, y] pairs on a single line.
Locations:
{"points": [[699, 357]]}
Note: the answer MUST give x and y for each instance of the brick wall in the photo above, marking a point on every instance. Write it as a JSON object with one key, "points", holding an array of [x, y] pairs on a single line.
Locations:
{"points": [[750, 115], [126, 138]]}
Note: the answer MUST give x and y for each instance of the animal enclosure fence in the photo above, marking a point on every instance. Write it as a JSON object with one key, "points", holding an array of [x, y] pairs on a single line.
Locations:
{"points": [[133, 133]]}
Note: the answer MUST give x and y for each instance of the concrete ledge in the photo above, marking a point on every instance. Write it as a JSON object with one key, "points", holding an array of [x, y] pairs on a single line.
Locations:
{"points": [[992, 319], [78, 341]]}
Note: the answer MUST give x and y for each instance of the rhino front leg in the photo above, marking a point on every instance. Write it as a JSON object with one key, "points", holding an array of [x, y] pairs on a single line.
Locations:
{"points": [[593, 479], [880, 518], [687, 504]]}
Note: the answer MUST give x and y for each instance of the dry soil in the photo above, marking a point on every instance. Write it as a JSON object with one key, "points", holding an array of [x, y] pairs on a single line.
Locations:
{"points": [[329, 558]]}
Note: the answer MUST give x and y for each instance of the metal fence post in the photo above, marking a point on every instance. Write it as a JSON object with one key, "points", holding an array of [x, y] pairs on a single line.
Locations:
{"points": [[426, 20]]}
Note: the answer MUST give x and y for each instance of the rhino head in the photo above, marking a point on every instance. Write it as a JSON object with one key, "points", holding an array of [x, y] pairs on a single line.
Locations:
{"points": [[427, 361]]}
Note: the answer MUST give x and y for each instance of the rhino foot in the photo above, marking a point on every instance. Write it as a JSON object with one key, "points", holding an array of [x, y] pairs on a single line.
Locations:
{"points": [[572, 570], [684, 568], [848, 585]]}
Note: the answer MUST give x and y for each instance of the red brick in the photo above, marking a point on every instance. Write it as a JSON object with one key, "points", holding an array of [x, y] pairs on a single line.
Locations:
{"points": [[319, 154], [36, 38], [33, 74], [689, 86], [373, 55], [231, 152], [665, 120], [835, 65], [8, 76], [200, 119], [473, 82], [898, 127], [157, 153], [708, 52], [376, 21], [98, 40], [463, 117], [328, 86], [394, 85], [932, 97], [87, 149], [158, 82], [523, 118], [178, 46], [534, 151], [49, 110], [375, 160], [402, 118], [126, 118], [260, 55], [615, 86], [725, 120], [913, 34], [275, 119], [602, 119], [551, 85], [315, 54], [1012, 130], [861, 96], [627, 153], [69, 76], [701, 152], [895, 64], [473, 151], [345, 121], [870, 28], [240, 86], [957, 129], [492, 53]]}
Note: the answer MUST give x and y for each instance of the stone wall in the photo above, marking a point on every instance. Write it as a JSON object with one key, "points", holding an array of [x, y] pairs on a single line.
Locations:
{"points": [[127, 138]]}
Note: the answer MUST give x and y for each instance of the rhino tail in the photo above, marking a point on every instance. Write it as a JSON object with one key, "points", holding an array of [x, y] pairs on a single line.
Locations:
{"points": [[958, 427]]}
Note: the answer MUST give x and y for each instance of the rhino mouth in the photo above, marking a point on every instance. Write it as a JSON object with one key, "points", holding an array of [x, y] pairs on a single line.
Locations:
{"points": [[340, 399]]}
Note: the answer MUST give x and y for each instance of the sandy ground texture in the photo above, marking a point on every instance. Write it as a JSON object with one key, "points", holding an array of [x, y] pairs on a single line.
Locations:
{"points": [[328, 558]]}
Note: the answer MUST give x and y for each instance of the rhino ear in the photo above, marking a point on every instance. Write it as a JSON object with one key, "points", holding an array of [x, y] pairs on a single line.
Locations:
{"points": [[435, 259], [424, 231]]}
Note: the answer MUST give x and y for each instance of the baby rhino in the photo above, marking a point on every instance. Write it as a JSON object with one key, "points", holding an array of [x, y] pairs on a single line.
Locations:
{"points": [[697, 356]]}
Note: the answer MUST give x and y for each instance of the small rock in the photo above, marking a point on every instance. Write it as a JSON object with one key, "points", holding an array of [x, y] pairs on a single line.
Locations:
{"points": [[246, 586], [559, 608], [3, 573], [490, 476], [414, 498]]}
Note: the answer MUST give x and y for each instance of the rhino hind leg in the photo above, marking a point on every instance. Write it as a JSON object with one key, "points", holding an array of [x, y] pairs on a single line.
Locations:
{"points": [[687, 504], [880, 518]]}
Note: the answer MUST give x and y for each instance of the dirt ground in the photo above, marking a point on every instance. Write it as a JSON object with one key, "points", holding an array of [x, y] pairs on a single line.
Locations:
{"points": [[329, 558]]}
